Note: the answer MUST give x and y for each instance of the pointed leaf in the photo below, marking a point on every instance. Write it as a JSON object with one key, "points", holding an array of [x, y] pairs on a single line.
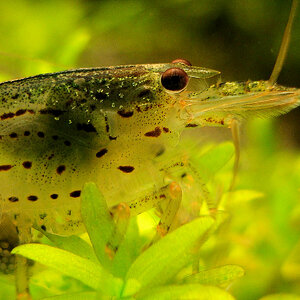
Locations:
{"points": [[128, 251], [217, 276], [185, 292], [167, 257], [73, 244], [97, 220], [82, 269]]}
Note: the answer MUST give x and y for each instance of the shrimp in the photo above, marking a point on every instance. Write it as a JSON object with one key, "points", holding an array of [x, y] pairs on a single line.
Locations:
{"points": [[108, 125]]}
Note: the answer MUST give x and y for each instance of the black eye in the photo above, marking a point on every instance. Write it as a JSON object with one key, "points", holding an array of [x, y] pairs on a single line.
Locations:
{"points": [[181, 61], [174, 79]]}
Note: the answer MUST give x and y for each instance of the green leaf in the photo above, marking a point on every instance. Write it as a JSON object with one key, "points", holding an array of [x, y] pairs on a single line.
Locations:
{"points": [[82, 269], [213, 160], [131, 287], [97, 220], [167, 257], [128, 251], [217, 276], [185, 292], [73, 244], [281, 297], [49, 283]]}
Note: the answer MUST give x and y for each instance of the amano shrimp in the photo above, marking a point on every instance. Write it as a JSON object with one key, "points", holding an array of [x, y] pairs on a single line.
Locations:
{"points": [[107, 125]]}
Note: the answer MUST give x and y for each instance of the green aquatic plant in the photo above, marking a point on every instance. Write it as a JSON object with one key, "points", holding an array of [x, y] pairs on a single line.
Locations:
{"points": [[132, 271]]}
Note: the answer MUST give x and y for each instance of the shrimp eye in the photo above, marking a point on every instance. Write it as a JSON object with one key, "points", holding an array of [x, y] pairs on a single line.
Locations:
{"points": [[174, 79], [181, 61]]}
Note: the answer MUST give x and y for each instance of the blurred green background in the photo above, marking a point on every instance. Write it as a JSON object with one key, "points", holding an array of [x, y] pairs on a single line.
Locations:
{"points": [[239, 38]]}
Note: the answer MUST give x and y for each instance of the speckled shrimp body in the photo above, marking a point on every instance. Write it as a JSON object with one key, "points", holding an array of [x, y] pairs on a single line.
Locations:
{"points": [[108, 125], [105, 125]]}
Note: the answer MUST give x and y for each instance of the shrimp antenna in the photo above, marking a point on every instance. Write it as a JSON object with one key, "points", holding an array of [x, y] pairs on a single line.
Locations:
{"points": [[284, 45]]}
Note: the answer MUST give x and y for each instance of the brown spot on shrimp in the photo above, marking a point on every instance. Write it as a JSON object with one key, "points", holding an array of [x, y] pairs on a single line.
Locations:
{"points": [[154, 133], [41, 134], [86, 127], [5, 167], [60, 169], [125, 114], [75, 194], [32, 198], [13, 199], [101, 152], [13, 135], [27, 164], [126, 169], [7, 116], [50, 111]]}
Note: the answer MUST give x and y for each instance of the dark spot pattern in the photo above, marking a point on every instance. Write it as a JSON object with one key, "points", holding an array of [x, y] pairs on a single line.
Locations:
{"points": [[75, 194], [126, 169], [166, 130], [154, 133], [32, 198], [67, 143], [106, 124], [13, 135], [27, 164], [20, 112], [60, 169], [125, 114], [50, 111], [86, 127], [51, 156], [191, 125], [54, 196], [16, 96], [101, 152], [43, 227], [55, 137], [26, 133], [100, 96], [7, 116], [5, 167], [41, 134], [13, 199]]}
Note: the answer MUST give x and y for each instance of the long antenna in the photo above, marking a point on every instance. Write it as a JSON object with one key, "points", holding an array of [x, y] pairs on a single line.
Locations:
{"points": [[284, 45]]}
